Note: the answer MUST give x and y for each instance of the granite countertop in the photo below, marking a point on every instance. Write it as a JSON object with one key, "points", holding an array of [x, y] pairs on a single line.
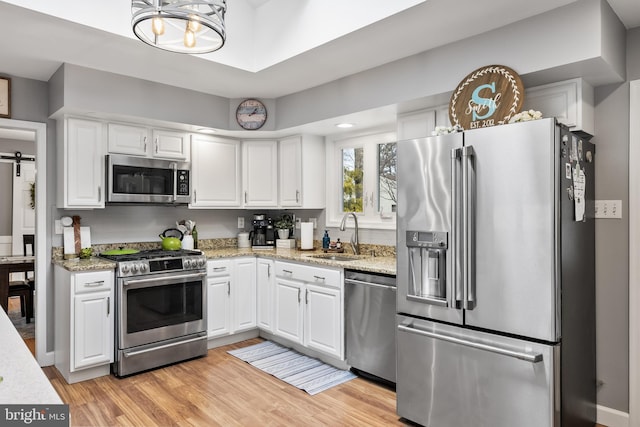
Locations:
{"points": [[385, 264], [369, 263], [23, 381]]}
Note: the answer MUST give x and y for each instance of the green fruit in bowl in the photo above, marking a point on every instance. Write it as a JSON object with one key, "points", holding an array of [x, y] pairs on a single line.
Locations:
{"points": [[86, 253]]}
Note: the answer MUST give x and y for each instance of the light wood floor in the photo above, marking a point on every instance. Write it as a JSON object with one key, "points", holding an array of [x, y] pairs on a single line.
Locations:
{"points": [[221, 390]]}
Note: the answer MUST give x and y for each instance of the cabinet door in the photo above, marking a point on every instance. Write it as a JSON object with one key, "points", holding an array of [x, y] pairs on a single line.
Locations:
{"points": [[418, 124], [259, 173], [323, 320], [169, 144], [265, 283], [92, 329], [290, 168], [289, 319], [127, 139], [243, 292], [83, 167], [218, 306], [215, 167]]}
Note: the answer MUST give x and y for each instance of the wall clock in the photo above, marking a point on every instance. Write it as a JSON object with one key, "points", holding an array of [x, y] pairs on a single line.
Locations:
{"points": [[251, 114]]}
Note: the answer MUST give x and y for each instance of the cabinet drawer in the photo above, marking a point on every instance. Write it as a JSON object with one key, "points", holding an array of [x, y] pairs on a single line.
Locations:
{"points": [[219, 268], [94, 281], [317, 275]]}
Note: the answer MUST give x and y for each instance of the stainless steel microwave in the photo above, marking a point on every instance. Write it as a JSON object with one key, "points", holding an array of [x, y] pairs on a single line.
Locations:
{"points": [[141, 180]]}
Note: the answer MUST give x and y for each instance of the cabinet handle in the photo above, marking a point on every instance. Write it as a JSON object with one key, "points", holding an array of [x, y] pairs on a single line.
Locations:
{"points": [[298, 295], [228, 288], [269, 271], [245, 197], [319, 278], [99, 193], [287, 271], [94, 284], [219, 268], [195, 197], [297, 196], [157, 145], [306, 296], [108, 306], [145, 144]]}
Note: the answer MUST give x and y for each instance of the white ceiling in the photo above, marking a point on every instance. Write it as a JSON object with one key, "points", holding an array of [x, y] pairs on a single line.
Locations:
{"points": [[274, 47]]}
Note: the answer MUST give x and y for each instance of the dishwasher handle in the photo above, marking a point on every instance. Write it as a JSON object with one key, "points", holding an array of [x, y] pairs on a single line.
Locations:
{"points": [[374, 285]]}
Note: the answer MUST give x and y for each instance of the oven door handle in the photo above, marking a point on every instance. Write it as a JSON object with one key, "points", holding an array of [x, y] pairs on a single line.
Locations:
{"points": [[173, 344], [156, 278]]}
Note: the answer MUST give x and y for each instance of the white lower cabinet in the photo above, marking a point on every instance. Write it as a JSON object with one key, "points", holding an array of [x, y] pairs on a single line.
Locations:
{"points": [[309, 307], [84, 323], [219, 297], [265, 283], [231, 296]]}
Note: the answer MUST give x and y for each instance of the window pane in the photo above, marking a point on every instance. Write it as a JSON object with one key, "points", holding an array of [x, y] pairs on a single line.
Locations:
{"points": [[387, 184], [352, 175]]}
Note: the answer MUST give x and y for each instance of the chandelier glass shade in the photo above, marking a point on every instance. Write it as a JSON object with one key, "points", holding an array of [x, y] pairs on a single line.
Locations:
{"points": [[180, 26]]}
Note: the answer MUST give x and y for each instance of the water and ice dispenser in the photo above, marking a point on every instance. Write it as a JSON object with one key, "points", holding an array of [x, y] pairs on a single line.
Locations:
{"points": [[427, 266]]}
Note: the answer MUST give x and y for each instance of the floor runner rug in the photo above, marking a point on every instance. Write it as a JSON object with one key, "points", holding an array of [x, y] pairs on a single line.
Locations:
{"points": [[303, 372]]}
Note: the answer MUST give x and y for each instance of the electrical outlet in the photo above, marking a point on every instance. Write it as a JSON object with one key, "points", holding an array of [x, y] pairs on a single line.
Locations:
{"points": [[240, 222], [609, 209], [315, 222], [58, 226], [298, 221]]}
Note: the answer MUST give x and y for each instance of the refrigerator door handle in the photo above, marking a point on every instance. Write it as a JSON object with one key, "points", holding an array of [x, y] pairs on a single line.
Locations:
{"points": [[456, 292], [469, 232], [526, 356]]}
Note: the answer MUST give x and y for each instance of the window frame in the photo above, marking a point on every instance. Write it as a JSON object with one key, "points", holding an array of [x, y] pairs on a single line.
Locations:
{"points": [[371, 217]]}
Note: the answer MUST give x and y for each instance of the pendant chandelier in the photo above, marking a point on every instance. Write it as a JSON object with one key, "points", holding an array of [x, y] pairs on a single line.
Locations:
{"points": [[180, 26]]}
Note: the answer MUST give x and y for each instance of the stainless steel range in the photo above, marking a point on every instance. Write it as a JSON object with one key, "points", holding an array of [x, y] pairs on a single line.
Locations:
{"points": [[161, 309]]}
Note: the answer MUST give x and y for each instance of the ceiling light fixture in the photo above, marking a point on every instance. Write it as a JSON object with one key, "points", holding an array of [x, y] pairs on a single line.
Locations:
{"points": [[344, 125], [195, 26]]}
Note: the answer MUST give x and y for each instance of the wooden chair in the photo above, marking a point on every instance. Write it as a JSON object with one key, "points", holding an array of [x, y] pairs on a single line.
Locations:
{"points": [[24, 288]]}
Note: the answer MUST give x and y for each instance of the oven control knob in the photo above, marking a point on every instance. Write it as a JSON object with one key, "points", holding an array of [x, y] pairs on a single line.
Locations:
{"points": [[124, 269], [143, 267], [134, 268], [201, 262], [187, 263]]}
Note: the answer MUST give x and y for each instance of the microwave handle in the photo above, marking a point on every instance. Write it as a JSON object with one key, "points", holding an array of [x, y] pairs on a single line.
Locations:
{"points": [[175, 180]]}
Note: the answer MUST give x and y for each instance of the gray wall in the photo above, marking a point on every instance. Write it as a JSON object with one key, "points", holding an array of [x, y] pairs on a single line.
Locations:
{"points": [[612, 236]]}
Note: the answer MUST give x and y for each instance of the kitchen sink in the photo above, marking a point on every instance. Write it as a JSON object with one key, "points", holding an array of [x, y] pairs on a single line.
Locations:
{"points": [[336, 257]]}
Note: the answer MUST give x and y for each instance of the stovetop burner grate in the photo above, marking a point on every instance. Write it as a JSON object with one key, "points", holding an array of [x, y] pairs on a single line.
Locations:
{"points": [[151, 254]]}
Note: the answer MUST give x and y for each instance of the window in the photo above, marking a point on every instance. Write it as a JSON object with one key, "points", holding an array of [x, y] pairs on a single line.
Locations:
{"points": [[363, 180]]}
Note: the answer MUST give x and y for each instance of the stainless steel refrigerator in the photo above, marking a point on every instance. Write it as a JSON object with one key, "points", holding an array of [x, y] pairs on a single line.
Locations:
{"points": [[495, 276]]}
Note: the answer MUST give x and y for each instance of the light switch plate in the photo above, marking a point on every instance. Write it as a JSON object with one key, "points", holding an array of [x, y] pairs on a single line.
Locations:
{"points": [[58, 226], [609, 209], [298, 221], [240, 222]]}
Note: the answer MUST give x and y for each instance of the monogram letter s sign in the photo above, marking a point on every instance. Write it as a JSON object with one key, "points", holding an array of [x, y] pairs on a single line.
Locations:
{"points": [[488, 96]]}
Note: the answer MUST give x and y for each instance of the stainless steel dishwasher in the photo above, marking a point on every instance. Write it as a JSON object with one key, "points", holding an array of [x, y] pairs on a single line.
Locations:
{"points": [[371, 323]]}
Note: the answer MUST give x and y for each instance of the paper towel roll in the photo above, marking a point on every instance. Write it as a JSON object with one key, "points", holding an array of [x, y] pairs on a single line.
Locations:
{"points": [[306, 235]]}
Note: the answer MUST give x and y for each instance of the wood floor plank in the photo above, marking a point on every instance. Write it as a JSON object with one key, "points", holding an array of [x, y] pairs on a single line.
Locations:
{"points": [[221, 390]]}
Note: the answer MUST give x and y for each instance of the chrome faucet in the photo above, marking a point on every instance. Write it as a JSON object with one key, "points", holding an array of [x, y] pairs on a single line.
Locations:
{"points": [[354, 237]]}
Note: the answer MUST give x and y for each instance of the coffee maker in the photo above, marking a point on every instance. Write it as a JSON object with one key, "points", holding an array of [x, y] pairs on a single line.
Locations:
{"points": [[262, 234]]}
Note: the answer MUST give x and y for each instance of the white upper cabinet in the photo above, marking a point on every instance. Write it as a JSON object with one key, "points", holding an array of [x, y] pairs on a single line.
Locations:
{"points": [[169, 144], [215, 169], [301, 167], [81, 164], [260, 173], [128, 139], [418, 124], [143, 141], [570, 101]]}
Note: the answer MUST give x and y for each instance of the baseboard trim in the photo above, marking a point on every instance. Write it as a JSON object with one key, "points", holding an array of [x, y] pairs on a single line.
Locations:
{"points": [[612, 417]]}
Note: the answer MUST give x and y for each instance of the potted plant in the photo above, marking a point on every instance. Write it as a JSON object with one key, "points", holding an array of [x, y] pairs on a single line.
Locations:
{"points": [[284, 224]]}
